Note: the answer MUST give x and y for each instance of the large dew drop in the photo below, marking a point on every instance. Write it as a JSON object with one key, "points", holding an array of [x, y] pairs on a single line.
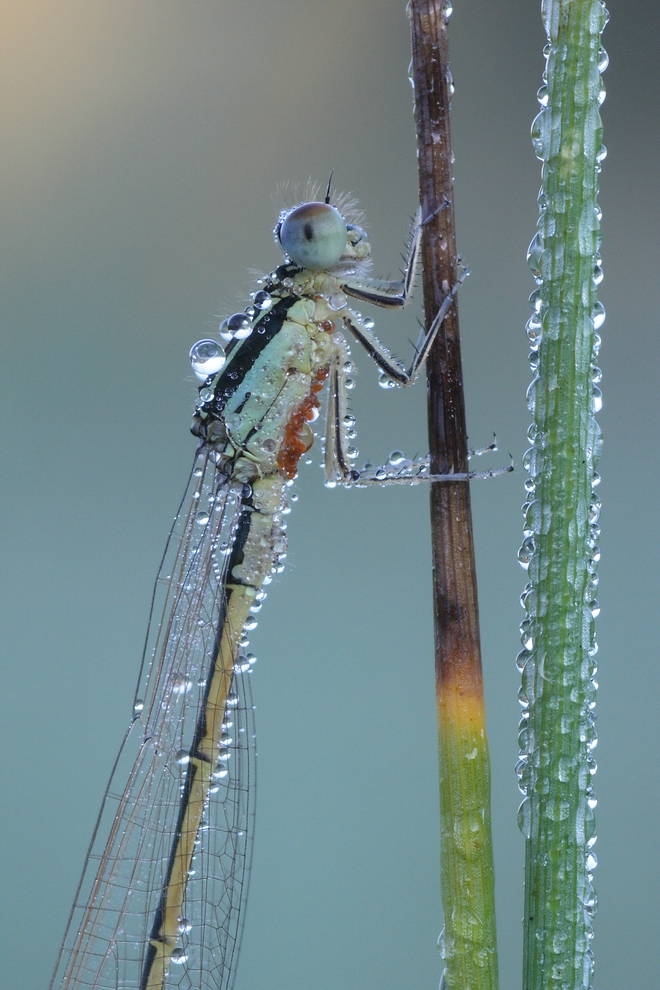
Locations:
{"points": [[207, 358]]}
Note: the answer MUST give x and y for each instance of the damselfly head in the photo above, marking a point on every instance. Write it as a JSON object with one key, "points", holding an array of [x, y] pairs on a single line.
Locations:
{"points": [[314, 235]]}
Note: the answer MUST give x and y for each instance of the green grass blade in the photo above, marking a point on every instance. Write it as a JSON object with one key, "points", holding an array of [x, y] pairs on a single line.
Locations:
{"points": [[558, 690]]}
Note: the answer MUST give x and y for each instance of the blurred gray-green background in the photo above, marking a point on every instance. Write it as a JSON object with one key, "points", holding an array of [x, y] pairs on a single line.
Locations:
{"points": [[142, 143]]}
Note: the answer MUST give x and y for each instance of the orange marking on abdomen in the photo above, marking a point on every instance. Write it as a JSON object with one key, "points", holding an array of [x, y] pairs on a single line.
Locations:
{"points": [[298, 437]]}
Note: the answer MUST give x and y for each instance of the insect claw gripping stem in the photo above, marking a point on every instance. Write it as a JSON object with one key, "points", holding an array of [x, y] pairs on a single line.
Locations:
{"points": [[436, 213]]}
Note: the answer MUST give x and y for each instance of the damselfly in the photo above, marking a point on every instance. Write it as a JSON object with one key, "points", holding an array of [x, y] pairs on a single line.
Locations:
{"points": [[160, 898]]}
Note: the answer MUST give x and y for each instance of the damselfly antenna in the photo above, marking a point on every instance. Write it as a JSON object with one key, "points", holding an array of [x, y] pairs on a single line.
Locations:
{"points": [[327, 192]]}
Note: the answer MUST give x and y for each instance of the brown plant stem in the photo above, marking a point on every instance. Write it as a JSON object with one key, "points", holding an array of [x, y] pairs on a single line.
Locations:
{"points": [[466, 845]]}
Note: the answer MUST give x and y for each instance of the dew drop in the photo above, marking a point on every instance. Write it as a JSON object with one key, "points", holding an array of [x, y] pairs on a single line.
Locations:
{"points": [[181, 684], [522, 659], [337, 301], [532, 389], [565, 767], [535, 254], [534, 328], [526, 552], [590, 904], [237, 327], [536, 300], [598, 315], [206, 358], [262, 300], [539, 133], [233, 421], [533, 461], [525, 818]]}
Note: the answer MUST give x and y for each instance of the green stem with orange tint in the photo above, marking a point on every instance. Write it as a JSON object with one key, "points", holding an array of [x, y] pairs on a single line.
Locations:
{"points": [[468, 943]]}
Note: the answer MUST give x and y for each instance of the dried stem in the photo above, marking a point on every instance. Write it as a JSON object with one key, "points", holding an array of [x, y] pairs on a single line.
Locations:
{"points": [[469, 946]]}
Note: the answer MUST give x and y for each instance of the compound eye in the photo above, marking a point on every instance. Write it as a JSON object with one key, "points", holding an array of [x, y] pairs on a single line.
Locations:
{"points": [[314, 235]]}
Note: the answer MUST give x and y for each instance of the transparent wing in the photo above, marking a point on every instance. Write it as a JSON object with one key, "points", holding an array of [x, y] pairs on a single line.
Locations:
{"points": [[126, 867]]}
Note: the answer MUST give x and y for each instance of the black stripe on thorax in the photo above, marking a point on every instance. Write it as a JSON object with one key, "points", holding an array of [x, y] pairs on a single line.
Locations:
{"points": [[246, 356]]}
